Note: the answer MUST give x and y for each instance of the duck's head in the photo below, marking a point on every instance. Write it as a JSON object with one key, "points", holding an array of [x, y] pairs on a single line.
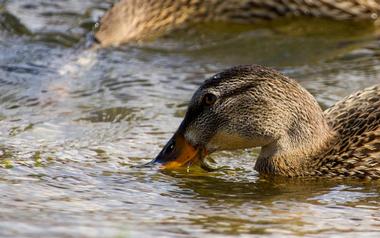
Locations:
{"points": [[141, 20], [243, 107]]}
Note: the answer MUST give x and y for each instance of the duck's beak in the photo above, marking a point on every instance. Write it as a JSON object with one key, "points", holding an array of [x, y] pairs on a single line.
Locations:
{"points": [[178, 152]]}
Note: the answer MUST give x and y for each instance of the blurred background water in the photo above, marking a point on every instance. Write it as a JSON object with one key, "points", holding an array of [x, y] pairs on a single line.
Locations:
{"points": [[73, 122]]}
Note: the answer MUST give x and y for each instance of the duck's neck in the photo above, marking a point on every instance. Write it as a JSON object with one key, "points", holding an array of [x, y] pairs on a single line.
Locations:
{"points": [[293, 154]]}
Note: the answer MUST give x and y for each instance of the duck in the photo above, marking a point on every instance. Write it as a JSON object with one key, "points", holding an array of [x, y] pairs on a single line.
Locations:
{"points": [[255, 106], [142, 20]]}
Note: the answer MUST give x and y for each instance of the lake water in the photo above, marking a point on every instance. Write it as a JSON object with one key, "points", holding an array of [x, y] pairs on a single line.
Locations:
{"points": [[73, 122]]}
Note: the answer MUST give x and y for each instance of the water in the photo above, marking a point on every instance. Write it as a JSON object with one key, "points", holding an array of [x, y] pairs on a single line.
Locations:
{"points": [[73, 122]]}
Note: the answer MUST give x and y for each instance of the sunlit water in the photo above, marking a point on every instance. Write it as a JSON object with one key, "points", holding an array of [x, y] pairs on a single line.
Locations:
{"points": [[73, 122]]}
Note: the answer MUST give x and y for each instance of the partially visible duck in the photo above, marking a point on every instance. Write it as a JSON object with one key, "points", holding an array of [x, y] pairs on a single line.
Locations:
{"points": [[140, 20], [254, 106]]}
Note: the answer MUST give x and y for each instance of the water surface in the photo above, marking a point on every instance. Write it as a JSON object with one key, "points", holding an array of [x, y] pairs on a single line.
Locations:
{"points": [[74, 121]]}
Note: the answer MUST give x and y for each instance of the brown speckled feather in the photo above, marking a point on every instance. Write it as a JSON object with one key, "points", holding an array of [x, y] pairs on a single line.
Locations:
{"points": [[139, 20], [356, 150]]}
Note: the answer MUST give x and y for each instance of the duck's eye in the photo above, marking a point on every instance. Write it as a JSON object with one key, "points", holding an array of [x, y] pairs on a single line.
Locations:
{"points": [[209, 99]]}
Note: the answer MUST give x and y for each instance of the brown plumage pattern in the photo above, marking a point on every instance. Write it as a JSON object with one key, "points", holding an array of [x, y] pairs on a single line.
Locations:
{"points": [[140, 20], [356, 148], [255, 106]]}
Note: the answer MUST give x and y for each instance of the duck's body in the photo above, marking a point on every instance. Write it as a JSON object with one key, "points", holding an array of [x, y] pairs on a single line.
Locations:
{"points": [[253, 106], [355, 151], [139, 20]]}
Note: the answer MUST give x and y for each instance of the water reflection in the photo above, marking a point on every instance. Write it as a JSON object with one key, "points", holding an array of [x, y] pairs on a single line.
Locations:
{"points": [[73, 122]]}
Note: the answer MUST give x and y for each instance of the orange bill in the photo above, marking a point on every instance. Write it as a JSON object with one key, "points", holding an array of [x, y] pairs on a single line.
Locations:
{"points": [[178, 153]]}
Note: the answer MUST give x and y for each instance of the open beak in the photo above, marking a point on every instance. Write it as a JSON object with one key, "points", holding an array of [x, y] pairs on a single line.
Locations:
{"points": [[179, 153]]}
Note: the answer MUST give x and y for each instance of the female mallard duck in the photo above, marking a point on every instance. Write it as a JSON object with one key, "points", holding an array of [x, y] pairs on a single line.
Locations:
{"points": [[254, 106], [139, 20]]}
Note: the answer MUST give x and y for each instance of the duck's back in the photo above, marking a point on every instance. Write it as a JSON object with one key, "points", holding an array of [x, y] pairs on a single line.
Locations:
{"points": [[270, 9], [356, 122], [140, 20]]}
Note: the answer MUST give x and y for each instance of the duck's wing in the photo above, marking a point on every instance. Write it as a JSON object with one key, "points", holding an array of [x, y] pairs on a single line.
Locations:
{"points": [[356, 120], [357, 113]]}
